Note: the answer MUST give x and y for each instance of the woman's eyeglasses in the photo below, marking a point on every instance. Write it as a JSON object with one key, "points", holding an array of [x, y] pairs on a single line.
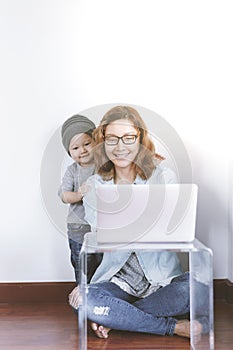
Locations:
{"points": [[113, 140]]}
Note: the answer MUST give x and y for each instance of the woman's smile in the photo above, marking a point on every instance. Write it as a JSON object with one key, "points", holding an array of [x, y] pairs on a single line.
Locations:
{"points": [[121, 155]]}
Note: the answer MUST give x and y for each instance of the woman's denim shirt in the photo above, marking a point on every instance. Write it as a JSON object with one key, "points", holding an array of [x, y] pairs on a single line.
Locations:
{"points": [[159, 267]]}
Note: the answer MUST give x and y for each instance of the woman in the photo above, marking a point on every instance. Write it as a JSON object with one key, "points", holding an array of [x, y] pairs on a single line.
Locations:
{"points": [[134, 291]]}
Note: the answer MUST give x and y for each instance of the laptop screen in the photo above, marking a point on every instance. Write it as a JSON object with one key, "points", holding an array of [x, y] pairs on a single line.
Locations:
{"points": [[146, 213]]}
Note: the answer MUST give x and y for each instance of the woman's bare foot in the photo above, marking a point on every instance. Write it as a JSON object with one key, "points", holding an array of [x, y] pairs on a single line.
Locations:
{"points": [[182, 328], [75, 298], [100, 331]]}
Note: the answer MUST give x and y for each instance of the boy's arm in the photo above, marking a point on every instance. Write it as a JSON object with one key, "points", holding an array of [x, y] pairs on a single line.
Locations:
{"points": [[71, 197], [74, 197], [66, 191]]}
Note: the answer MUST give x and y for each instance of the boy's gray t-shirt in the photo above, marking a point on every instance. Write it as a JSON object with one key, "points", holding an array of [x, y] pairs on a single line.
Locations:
{"points": [[73, 178]]}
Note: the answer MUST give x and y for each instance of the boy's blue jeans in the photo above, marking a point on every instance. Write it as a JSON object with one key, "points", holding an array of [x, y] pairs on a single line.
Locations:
{"points": [[76, 235], [110, 306]]}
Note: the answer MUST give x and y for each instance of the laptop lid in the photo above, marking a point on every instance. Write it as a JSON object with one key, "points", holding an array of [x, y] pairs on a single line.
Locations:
{"points": [[146, 213]]}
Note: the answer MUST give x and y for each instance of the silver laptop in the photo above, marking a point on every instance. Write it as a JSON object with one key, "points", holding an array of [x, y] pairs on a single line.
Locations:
{"points": [[146, 213]]}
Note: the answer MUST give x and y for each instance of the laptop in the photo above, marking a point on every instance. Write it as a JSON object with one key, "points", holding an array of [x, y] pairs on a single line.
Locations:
{"points": [[146, 213]]}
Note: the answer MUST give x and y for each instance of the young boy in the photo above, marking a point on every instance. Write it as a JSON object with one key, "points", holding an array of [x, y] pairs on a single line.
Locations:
{"points": [[77, 140]]}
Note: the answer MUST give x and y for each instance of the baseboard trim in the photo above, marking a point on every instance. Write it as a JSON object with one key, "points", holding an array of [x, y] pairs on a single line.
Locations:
{"points": [[57, 292], [223, 289]]}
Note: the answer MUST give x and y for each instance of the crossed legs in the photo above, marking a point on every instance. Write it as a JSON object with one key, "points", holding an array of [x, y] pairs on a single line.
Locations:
{"points": [[110, 307]]}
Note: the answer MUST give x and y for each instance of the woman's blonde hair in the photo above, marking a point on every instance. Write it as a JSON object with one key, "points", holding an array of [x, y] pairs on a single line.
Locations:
{"points": [[144, 162]]}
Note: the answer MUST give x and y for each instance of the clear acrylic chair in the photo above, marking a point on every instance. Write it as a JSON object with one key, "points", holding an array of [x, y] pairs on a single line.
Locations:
{"points": [[200, 269]]}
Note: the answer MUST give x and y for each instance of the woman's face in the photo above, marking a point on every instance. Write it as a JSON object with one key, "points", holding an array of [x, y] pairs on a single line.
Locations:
{"points": [[121, 152]]}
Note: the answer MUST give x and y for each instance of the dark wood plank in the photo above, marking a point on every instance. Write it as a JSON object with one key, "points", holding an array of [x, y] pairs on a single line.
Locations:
{"points": [[38, 326], [43, 326], [137, 341], [223, 325]]}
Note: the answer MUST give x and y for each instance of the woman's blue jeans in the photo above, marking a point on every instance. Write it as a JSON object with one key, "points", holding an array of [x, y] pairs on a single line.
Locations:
{"points": [[110, 306]]}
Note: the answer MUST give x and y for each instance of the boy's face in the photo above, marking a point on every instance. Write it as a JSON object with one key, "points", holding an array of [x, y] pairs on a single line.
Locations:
{"points": [[81, 149]]}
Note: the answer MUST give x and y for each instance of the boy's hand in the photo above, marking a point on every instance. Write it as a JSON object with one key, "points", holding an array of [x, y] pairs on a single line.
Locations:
{"points": [[83, 189]]}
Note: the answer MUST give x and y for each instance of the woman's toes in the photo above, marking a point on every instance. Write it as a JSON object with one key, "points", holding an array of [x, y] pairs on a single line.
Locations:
{"points": [[104, 331], [94, 326]]}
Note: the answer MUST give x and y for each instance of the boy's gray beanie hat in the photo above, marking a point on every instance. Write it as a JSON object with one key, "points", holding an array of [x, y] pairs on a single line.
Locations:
{"points": [[77, 124]]}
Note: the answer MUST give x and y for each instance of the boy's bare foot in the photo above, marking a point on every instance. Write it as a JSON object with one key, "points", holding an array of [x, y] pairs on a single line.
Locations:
{"points": [[100, 331], [182, 328]]}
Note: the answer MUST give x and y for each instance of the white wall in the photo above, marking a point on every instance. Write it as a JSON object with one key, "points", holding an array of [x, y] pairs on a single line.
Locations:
{"points": [[61, 57]]}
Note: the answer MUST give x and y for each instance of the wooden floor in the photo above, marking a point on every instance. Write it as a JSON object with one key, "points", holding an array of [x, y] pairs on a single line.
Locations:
{"points": [[54, 327]]}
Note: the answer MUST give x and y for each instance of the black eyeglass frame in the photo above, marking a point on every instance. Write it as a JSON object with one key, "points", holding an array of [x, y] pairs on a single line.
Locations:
{"points": [[122, 138]]}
